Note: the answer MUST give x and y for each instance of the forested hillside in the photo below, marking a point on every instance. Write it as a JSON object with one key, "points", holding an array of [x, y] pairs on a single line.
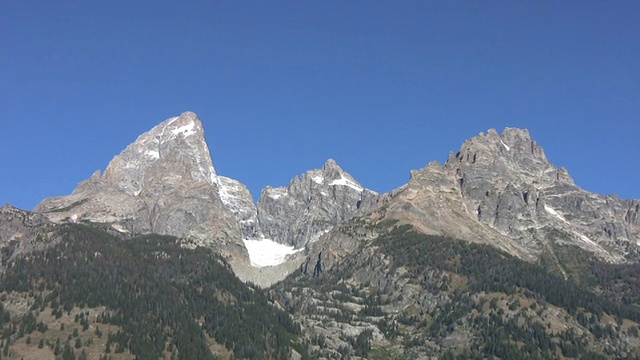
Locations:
{"points": [[159, 300], [406, 295]]}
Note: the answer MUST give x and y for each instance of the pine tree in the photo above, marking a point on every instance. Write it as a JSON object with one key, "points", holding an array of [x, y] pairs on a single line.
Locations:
{"points": [[68, 354]]}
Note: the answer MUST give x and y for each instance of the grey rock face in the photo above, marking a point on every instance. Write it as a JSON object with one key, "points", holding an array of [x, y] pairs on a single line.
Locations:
{"points": [[312, 205], [165, 183], [162, 183], [498, 190], [502, 190], [22, 232], [237, 198]]}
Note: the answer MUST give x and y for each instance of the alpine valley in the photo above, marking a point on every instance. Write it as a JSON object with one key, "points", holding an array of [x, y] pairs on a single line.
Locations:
{"points": [[495, 254]]}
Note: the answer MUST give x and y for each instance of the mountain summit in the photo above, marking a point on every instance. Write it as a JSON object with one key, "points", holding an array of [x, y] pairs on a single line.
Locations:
{"points": [[312, 204], [502, 190], [495, 253], [162, 183], [174, 148], [499, 189], [165, 183]]}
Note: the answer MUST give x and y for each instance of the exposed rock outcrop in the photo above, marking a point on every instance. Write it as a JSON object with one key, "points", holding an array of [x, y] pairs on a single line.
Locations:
{"points": [[498, 189], [312, 204], [501, 189], [165, 183], [21, 232], [162, 183]]}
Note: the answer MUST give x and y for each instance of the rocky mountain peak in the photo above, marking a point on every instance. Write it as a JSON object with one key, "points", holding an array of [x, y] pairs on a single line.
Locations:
{"points": [[165, 183], [331, 167], [331, 174], [176, 146], [312, 204], [514, 153], [501, 189]]}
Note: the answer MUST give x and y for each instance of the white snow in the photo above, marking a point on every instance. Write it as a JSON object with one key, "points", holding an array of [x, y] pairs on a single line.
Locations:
{"points": [[587, 240], [227, 191], [553, 212], [505, 146], [346, 182], [186, 130], [154, 154], [205, 167], [582, 237], [119, 228], [318, 179], [171, 120], [265, 252], [276, 193], [235, 196]]}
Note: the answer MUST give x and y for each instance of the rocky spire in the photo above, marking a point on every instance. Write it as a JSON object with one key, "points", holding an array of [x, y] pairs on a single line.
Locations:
{"points": [[312, 204], [173, 150], [163, 183], [514, 152], [501, 189]]}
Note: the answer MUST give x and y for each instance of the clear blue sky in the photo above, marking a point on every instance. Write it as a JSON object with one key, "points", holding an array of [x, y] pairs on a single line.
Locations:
{"points": [[281, 86]]}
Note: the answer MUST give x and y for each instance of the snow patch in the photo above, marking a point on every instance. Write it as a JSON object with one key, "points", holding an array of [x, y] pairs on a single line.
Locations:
{"points": [[346, 182], [505, 146], [119, 228], [553, 212], [154, 154], [235, 197], [318, 179], [185, 130], [205, 167], [226, 191], [582, 237], [266, 252], [276, 193], [587, 240]]}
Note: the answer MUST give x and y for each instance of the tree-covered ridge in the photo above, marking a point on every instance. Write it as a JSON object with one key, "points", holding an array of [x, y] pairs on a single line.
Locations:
{"points": [[167, 299], [491, 270], [413, 295], [488, 270]]}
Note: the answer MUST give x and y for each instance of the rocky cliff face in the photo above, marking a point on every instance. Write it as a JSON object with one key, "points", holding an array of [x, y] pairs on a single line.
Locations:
{"points": [[498, 189], [22, 232], [502, 190], [162, 183], [312, 204], [165, 183]]}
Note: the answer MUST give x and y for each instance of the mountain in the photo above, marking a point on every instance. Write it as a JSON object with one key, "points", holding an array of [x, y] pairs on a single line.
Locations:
{"points": [[496, 253], [22, 232], [163, 183], [95, 295], [381, 290], [502, 190], [288, 219], [312, 204]]}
